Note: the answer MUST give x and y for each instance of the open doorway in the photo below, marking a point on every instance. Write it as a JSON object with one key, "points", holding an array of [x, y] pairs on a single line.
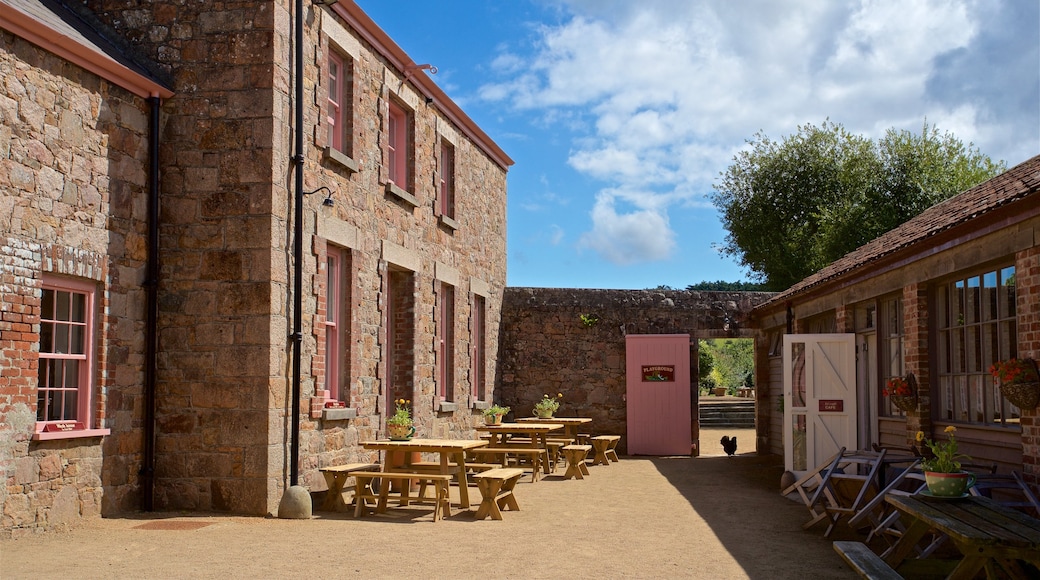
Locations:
{"points": [[726, 394]]}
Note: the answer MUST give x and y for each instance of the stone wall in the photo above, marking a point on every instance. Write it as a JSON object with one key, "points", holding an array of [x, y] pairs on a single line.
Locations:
{"points": [[73, 153], [547, 347]]}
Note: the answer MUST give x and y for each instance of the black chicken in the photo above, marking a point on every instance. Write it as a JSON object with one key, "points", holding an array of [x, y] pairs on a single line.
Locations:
{"points": [[729, 445]]}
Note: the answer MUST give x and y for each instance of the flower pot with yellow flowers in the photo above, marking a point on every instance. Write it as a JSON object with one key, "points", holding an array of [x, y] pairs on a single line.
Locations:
{"points": [[942, 472], [399, 427], [545, 408], [1019, 381]]}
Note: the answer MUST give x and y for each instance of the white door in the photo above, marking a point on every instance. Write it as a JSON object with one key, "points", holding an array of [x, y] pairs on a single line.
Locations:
{"points": [[819, 398]]}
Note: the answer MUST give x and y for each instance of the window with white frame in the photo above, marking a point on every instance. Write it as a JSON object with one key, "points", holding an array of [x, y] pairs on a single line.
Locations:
{"points": [[340, 75], [479, 342], [976, 327], [397, 145], [66, 355], [446, 192], [446, 342]]}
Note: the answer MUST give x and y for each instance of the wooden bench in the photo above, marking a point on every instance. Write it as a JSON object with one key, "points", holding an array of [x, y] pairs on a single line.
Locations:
{"points": [[534, 454], [575, 455], [604, 446], [496, 488], [336, 478], [865, 562], [365, 492]]}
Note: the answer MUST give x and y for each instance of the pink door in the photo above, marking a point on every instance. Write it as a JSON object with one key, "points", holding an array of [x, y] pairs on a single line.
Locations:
{"points": [[658, 394]]}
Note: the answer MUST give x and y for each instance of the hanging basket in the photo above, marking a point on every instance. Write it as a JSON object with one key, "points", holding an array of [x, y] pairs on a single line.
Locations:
{"points": [[906, 403], [1024, 395]]}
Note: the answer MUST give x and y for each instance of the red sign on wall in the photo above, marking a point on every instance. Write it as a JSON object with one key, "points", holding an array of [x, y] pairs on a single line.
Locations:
{"points": [[832, 405], [659, 373]]}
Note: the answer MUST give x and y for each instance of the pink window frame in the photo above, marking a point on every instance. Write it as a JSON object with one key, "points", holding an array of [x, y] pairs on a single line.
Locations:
{"points": [[447, 180], [333, 318], [479, 342], [397, 145], [337, 93], [445, 342], [85, 377]]}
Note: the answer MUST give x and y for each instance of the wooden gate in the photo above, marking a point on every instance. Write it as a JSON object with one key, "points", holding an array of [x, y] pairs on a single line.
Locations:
{"points": [[658, 394]]}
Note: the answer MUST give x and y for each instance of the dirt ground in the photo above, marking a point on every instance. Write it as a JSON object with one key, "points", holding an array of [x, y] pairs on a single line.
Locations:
{"points": [[646, 517]]}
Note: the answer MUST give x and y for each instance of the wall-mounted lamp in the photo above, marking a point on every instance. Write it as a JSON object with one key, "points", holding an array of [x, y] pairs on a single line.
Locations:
{"points": [[414, 67], [328, 195]]}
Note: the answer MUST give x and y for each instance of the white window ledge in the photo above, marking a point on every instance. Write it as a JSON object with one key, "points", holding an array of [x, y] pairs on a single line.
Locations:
{"points": [[447, 406], [448, 222], [401, 194], [341, 159], [480, 405], [341, 414]]}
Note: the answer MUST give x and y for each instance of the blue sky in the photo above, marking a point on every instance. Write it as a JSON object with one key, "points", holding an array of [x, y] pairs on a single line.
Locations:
{"points": [[620, 115]]}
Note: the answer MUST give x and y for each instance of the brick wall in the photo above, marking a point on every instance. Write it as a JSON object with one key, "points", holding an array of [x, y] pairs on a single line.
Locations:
{"points": [[1027, 305]]}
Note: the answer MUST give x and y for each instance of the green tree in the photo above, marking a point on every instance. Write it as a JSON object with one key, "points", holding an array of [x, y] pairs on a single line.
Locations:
{"points": [[732, 362], [792, 207]]}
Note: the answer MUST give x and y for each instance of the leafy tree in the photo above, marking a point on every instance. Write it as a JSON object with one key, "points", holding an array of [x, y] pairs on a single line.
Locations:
{"points": [[792, 207], [722, 286], [732, 362]]}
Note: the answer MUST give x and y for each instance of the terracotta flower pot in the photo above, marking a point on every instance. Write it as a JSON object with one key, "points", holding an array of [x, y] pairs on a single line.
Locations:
{"points": [[949, 484]]}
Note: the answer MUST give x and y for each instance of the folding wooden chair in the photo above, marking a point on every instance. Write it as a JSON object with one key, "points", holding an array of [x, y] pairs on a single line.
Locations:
{"points": [[1007, 490], [812, 492], [853, 482]]}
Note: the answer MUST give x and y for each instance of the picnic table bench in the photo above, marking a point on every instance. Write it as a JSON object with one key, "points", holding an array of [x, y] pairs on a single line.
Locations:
{"points": [[496, 488], [865, 562], [535, 455], [365, 491], [336, 478]]}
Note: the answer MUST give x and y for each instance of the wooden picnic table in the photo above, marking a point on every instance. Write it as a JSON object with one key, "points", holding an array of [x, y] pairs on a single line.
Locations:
{"points": [[987, 534], [537, 432], [452, 457], [570, 424]]}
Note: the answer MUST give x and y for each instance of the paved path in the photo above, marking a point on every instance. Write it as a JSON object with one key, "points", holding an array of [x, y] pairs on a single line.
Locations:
{"points": [[709, 517]]}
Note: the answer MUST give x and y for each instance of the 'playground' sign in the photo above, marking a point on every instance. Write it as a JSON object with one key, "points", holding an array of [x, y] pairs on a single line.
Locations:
{"points": [[659, 373]]}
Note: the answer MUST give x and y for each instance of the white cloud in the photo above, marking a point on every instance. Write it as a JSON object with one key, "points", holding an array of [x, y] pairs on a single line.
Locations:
{"points": [[642, 235], [675, 88]]}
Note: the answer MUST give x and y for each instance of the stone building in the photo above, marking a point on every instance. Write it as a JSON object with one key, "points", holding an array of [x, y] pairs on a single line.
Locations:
{"points": [[147, 282], [942, 297]]}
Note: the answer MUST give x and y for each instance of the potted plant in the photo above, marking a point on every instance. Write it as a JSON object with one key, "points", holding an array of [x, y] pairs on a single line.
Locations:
{"points": [[942, 472], [399, 427], [547, 406], [901, 392], [1019, 381], [493, 414]]}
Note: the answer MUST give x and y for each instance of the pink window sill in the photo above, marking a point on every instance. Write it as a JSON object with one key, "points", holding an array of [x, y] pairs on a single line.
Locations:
{"points": [[70, 434]]}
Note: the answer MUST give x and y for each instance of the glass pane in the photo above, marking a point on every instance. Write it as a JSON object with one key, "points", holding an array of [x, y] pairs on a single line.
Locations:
{"points": [[799, 454], [977, 397], [989, 296], [79, 308], [53, 406], [989, 345], [47, 305], [61, 339], [972, 303], [973, 349], [946, 398], [46, 337], [41, 405], [61, 310], [333, 84], [76, 339], [71, 374], [798, 374], [960, 402], [1007, 295], [957, 304], [957, 351], [71, 400], [332, 292], [1008, 339]]}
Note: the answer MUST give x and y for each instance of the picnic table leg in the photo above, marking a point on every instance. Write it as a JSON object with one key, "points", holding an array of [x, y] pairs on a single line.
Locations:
{"points": [[546, 467], [913, 534], [968, 567], [460, 462]]}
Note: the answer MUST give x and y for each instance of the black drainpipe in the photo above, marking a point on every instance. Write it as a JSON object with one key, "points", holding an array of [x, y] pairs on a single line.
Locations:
{"points": [[151, 332], [297, 334]]}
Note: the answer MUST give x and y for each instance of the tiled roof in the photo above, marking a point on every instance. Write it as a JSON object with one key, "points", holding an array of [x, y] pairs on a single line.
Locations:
{"points": [[1014, 185]]}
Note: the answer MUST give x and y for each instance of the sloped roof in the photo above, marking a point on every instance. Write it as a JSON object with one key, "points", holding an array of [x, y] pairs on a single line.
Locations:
{"points": [[55, 27], [1015, 185]]}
